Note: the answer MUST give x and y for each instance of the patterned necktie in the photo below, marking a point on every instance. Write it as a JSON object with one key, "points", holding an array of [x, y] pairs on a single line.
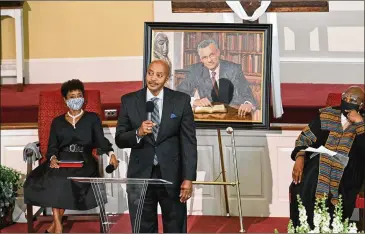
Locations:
{"points": [[156, 120], [214, 82]]}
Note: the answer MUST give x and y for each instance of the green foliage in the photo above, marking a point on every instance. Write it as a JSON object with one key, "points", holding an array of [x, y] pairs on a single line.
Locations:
{"points": [[9, 184]]}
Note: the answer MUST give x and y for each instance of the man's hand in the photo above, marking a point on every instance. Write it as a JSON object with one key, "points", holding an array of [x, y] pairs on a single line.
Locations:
{"points": [[186, 190], [54, 162], [244, 109], [202, 102], [146, 128], [354, 116], [113, 161], [297, 173]]}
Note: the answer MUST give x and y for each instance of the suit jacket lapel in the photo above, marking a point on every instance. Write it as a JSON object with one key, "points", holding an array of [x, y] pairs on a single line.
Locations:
{"points": [[141, 104], [167, 109], [205, 83], [206, 76]]}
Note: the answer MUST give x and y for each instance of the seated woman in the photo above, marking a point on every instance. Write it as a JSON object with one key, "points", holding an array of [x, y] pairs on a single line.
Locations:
{"points": [[73, 136]]}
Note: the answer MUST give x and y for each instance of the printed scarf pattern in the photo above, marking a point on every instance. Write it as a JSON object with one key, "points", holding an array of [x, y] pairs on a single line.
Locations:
{"points": [[340, 141]]}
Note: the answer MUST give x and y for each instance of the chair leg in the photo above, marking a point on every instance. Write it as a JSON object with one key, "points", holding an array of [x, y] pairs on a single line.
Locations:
{"points": [[101, 226], [30, 218], [362, 219]]}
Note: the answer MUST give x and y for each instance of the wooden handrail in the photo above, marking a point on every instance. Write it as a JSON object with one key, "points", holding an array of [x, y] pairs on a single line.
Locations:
{"points": [[113, 123]]}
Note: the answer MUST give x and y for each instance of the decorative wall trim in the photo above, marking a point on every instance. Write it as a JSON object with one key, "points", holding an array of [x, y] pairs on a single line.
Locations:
{"points": [[320, 60], [115, 69], [346, 5], [95, 69]]}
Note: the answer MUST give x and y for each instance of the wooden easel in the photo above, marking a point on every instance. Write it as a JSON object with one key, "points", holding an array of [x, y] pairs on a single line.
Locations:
{"points": [[250, 7]]}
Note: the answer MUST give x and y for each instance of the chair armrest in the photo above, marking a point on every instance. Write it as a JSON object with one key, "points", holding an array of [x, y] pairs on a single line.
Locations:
{"points": [[31, 152], [28, 151]]}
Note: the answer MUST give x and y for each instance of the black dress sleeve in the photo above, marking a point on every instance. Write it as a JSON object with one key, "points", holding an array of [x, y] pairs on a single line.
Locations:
{"points": [[308, 137], [100, 141], [53, 144], [360, 132]]}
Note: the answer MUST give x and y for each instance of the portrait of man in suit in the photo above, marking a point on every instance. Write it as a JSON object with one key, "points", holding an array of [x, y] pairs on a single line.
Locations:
{"points": [[216, 80], [163, 146]]}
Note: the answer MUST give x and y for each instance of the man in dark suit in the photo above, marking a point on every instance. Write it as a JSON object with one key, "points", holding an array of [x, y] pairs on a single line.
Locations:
{"points": [[164, 148], [217, 80]]}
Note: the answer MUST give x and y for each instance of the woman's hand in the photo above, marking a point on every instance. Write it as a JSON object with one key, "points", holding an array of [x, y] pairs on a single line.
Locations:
{"points": [[297, 173], [54, 162], [354, 116], [113, 161]]}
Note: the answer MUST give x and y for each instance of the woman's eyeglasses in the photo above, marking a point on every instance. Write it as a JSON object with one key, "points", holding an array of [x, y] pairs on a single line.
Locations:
{"points": [[351, 98]]}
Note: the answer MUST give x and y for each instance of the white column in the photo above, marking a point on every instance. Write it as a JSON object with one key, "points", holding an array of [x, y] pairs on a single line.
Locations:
{"points": [[17, 14], [19, 45]]}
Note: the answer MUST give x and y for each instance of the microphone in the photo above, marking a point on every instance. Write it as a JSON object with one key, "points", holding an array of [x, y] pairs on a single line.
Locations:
{"points": [[149, 109], [110, 168], [229, 130]]}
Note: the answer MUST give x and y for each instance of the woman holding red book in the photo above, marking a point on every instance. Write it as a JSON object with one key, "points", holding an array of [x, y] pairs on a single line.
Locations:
{"points": [[72, 138]]}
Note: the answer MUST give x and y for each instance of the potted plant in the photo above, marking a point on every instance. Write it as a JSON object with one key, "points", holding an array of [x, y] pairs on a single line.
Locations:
{"points": [[322, 220], [9, 185]]}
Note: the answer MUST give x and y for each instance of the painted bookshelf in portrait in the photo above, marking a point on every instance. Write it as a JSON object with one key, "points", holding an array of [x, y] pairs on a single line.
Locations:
{"points": [[244, 48]]}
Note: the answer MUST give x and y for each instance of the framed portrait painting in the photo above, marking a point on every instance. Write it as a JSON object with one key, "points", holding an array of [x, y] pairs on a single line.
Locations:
{"points": [[224, 68]]}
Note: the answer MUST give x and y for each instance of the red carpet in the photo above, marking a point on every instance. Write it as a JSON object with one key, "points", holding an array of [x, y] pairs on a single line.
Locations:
{"points": [[196, 224], [301, 101]]}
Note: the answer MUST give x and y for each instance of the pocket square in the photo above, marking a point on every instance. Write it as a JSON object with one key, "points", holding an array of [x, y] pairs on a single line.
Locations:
{"points": [[172, 116]]}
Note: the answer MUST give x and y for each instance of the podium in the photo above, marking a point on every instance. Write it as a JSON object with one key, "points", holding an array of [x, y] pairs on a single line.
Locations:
{"points": [[139, 186]]}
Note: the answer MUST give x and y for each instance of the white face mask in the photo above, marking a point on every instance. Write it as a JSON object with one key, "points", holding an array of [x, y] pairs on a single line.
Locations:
{"points": [[75, 103]]}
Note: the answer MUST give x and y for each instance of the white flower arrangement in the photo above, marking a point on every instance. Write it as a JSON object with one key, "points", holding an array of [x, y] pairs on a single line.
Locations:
{"points": [[322, 220]]}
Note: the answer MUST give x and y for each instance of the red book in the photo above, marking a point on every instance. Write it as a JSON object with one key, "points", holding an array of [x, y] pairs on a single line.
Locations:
{"points": [[70, 163], [359, 202]]}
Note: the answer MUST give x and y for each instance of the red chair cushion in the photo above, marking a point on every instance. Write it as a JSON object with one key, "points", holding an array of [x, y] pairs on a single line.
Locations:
{"points": [[52, 104], [333, 99]]}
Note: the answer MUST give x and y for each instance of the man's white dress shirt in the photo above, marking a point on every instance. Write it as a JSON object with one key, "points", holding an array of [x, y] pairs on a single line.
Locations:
{"points": [[159, 103]]}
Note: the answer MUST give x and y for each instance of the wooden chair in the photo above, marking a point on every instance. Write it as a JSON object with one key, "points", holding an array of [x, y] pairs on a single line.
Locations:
{"points": [[51, 105], [334, 99]]}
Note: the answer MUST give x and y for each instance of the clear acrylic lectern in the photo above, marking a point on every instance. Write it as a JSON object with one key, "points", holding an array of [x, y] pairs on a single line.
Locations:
{"points": [[139, 187]]}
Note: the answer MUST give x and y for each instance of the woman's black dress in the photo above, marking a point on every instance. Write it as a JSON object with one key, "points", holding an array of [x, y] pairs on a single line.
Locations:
{"points": [[49, 187]]}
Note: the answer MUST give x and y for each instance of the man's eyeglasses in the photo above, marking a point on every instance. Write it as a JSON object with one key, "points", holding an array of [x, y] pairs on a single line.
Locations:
{"points": [[211, 56]]}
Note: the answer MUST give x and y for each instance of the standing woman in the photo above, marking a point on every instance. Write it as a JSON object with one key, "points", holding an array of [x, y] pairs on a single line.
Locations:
{"points": [[73, 136]]}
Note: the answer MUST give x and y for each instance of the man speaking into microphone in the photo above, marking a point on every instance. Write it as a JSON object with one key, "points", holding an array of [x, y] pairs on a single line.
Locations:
{"points": [[157, 123]]}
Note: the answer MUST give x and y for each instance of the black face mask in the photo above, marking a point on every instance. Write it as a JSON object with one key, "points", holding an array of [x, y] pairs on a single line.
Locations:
{"points": [[348, 106]]}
